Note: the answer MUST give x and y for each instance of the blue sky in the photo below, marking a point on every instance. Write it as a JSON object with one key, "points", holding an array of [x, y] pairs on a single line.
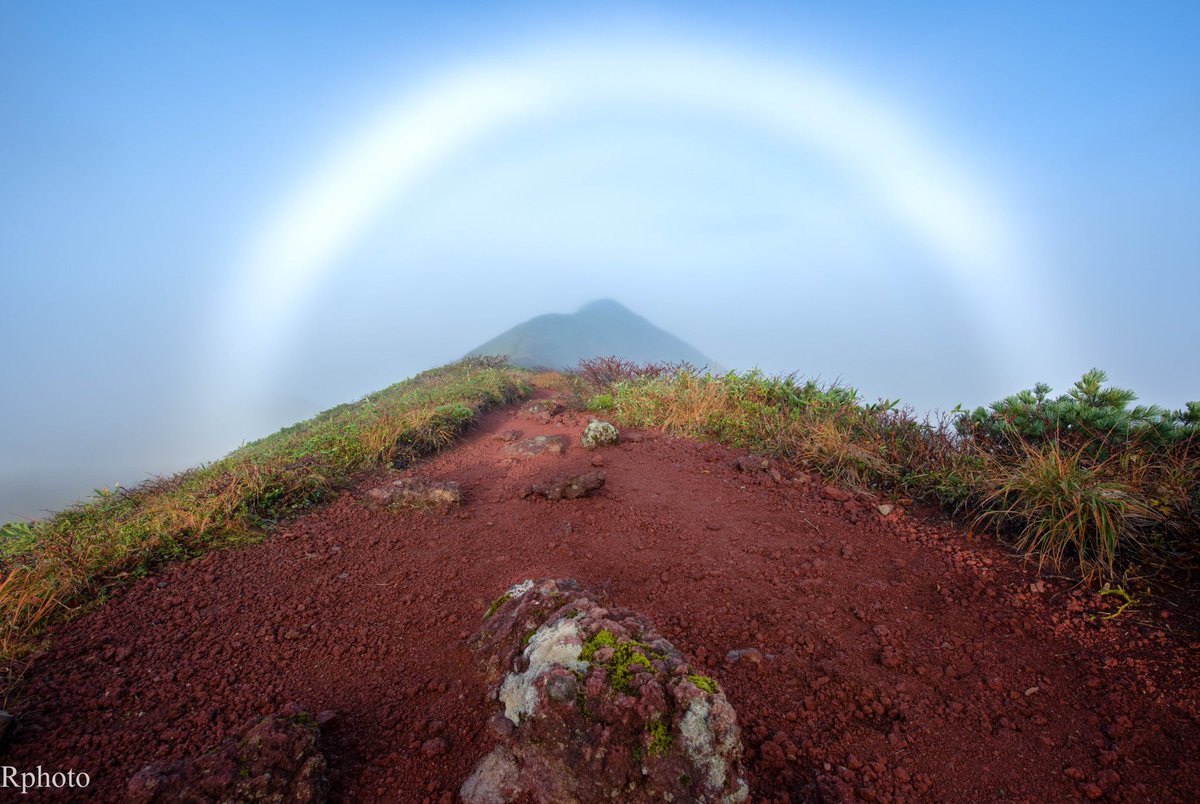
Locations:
{"points": [[147, 150]]}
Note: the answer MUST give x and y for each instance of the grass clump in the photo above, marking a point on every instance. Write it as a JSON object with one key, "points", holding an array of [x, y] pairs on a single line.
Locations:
{"points": [[1066, 507], [53, 568], [1084, 478]]}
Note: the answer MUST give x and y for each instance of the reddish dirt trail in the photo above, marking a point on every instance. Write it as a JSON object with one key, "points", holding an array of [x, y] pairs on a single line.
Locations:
{"points": [[900, 659]]}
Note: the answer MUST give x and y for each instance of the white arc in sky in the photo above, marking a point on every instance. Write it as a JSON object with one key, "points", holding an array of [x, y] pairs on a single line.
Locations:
{"points": [[939, 201]]}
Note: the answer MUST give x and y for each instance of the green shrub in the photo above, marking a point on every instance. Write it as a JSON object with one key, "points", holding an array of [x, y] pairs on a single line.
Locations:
{"points": [[600, 403], [1095, 416]]}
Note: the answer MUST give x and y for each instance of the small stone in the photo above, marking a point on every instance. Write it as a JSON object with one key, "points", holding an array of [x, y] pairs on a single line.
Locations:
{"points": [[736, 655], [836, 494], [885, 509], [753, 463]]}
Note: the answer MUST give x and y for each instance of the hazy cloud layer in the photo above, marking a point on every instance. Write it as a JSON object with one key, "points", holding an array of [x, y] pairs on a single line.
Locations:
{"points": [[148, 151]]}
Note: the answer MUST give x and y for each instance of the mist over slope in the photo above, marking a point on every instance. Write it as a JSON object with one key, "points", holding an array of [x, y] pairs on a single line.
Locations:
{"points": [[598, 329]]}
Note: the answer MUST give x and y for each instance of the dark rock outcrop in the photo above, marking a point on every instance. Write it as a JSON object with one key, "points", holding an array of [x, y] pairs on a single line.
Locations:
{"points": [[594, 705], [542, 410], [568, 488], [538, 445], [275, 759]]}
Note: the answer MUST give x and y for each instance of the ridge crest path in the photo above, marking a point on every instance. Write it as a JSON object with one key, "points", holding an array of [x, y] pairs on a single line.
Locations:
{"points": [[891, 657]]}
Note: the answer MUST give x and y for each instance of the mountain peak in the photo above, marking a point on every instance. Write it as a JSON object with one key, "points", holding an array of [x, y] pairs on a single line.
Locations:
{"points": [[603, 306], [600, 328]]}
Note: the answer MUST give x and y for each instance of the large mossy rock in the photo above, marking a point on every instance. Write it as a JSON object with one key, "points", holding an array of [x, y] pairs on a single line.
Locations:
{"points": [[592, 704]]}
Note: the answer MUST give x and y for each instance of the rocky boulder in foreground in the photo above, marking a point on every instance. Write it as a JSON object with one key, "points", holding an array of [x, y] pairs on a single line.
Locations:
{"points": [[592, 704]]}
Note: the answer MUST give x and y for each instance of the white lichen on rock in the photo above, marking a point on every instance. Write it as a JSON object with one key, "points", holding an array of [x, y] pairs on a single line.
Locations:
{"points": [[555, 645], [495, 780], [599, 434], [516, 590], [594, 706], [707, 750]]}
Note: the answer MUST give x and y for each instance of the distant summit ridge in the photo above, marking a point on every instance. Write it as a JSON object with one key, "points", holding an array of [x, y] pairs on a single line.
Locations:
{"points": [[597, 329]]}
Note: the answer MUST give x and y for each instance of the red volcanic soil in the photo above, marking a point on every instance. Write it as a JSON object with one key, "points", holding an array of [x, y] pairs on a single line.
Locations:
{"points": [[900, 658]]}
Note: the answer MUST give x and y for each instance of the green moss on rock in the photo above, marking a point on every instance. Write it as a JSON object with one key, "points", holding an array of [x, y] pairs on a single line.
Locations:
{"points": [[497, 603], [658, 738], [620, 665], [601, 639]]}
